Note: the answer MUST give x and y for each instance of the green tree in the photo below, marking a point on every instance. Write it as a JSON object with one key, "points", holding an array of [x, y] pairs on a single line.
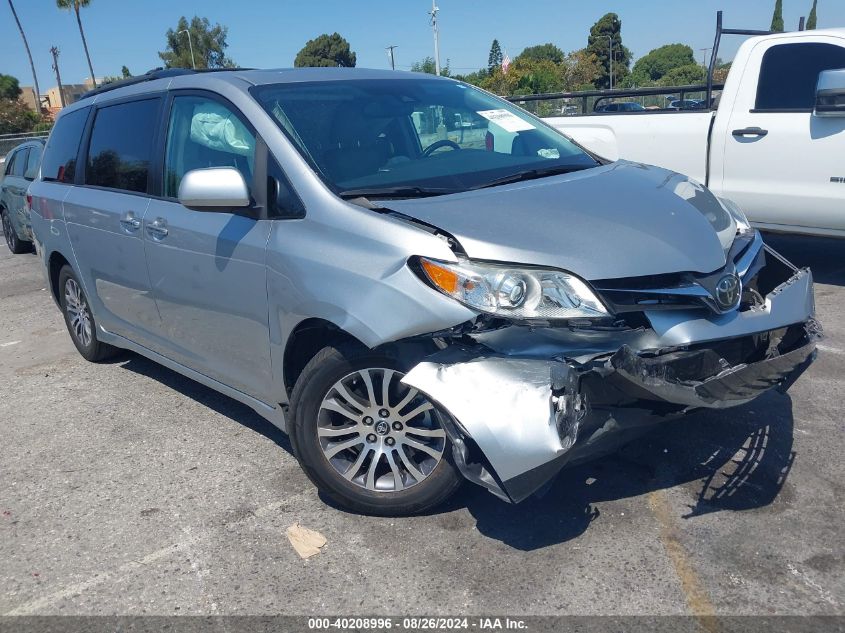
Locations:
{"points": [[76, 5], [326, 51], [124, 70], [209, 45], [609, 29], [653, 67], [16, 117], [427, 65], [777, 17], [684, 75], [543, 52], [494, 59], [28, 54], [9, 87], [811, 21]]}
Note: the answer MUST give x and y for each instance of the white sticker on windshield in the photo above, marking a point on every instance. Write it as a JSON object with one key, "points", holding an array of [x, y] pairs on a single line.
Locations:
{"points": [[506, 120]]}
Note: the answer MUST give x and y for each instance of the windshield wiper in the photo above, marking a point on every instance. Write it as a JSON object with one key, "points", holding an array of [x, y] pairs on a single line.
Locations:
{"points": [[530, 174], [407, 191]]}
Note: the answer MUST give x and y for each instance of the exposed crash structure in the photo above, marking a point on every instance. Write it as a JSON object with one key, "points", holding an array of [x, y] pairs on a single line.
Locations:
{"points": [[527, 400]]}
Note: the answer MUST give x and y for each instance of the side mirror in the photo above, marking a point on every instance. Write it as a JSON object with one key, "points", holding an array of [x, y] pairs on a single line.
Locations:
{"points": [[214, 189], [830, 93]]}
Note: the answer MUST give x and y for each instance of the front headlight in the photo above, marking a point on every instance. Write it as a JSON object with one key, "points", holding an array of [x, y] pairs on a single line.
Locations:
{"points": [[513, 292], [742, 223]]}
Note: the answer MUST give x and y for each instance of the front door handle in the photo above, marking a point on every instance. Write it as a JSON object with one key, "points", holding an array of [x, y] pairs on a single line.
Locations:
{"points": [[750, 131], [129, 222], [157, 229]]}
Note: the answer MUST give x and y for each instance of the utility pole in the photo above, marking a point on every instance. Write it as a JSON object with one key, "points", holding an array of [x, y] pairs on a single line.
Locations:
{"points": [[389, 50], [704, 52], [433, 14], [191, 46], [55, 52]]}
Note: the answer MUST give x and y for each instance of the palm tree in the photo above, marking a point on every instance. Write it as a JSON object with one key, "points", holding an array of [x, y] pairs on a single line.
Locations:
{"points": [[76, 5], [29, 54]]}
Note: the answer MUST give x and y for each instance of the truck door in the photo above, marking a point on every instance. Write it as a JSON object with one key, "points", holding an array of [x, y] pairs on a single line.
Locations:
{"points": [[780, 161]]}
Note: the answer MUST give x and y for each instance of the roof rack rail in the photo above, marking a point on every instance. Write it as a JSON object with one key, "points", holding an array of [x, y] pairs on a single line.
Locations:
{"points": [[150, 75]]}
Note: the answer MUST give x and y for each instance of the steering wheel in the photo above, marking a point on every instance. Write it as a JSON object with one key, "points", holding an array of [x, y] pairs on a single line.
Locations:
{"points": [[428, 151]]}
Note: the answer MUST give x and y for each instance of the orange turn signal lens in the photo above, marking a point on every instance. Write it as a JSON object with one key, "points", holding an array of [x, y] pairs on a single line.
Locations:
{"points": [[441, 276]]}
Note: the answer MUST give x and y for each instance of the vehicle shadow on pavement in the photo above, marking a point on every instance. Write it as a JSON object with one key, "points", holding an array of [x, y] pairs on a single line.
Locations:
{"points": [[206, 396], [735, 459], [824, 255]]}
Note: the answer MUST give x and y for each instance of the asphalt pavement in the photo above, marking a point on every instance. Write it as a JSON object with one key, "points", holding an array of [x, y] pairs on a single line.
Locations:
{"points": [[128, 489]]}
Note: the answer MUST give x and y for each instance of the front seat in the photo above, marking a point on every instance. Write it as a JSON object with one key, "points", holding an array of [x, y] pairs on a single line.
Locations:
{"points": [[356, 149]]}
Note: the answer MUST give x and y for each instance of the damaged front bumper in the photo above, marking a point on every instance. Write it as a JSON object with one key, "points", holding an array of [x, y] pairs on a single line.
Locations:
{"points": [[524, 403]]}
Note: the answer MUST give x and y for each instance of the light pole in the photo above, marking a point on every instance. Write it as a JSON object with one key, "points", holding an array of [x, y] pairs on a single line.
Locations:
{"points": [[191, 46], [433, 14], [610, 41]]}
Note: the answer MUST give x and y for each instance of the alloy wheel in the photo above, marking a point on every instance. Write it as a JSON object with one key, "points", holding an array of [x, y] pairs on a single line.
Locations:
{"points": [[378, 433], [78, 313]]}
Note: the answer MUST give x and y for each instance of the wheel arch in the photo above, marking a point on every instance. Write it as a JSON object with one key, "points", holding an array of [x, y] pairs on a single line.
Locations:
{"points": [[305, 340], [55, 263]]}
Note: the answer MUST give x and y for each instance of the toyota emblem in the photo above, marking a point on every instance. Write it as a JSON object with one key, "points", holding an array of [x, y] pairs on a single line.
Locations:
{"points": [[727, 292]]}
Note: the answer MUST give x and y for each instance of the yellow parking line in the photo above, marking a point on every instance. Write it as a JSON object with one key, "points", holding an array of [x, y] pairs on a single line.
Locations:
{"points": [[697, 600]]}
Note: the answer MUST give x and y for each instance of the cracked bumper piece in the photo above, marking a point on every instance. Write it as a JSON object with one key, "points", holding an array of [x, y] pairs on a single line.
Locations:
{"points": [[515, 422]]}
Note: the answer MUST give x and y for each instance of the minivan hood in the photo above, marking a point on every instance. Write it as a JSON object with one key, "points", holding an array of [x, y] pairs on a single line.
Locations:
{"points": [[619, 220]]}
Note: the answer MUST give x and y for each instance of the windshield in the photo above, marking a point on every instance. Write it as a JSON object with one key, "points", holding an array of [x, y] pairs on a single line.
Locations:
{"points": [[416, 136]]}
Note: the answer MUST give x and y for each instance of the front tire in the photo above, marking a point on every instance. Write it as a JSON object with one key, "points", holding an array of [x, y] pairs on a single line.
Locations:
{"points": [[80, 320], [371, 443], [15, 244]]}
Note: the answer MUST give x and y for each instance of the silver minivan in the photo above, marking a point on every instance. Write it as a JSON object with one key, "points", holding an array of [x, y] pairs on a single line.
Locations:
{"points": [[413, 300]]}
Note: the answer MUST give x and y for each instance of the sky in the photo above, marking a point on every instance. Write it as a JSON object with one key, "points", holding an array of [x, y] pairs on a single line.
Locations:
{"points": [[268, 33]]}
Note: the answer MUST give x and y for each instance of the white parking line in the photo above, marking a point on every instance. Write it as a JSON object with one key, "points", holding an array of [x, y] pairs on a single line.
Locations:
{"points": [[28, 608], [9, 343], [831, 350]]}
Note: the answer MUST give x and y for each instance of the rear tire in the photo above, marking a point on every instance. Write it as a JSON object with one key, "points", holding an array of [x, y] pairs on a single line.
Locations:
{"points": [[80, 320], [397, 460], [15, 244]]}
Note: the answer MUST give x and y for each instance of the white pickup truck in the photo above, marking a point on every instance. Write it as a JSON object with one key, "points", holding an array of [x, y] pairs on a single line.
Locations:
{"points": [[775, 142]]}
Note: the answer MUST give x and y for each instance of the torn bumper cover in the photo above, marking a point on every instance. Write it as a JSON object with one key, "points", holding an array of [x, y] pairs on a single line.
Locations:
{"points": [[516, 421]]}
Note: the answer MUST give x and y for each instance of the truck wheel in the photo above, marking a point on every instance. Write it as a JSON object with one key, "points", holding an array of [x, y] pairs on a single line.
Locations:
{"points": [[79, 319], [16, 245], [371, 443]]}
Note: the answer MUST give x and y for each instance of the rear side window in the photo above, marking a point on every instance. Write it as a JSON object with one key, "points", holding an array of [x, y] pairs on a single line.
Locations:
{"points": [[20, 162], [790, 72], [121, 146], [60, 155], [32, 162]]}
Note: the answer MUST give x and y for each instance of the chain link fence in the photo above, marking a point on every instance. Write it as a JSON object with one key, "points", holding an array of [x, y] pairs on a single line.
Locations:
{"points": [[9, 141]]}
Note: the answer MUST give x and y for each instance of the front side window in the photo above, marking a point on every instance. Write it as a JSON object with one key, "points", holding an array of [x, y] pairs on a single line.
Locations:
{"points": [[389, 134], [789, 74], [32, 163], [121, 146], [205, 133], [59, 164], [10, 162]]}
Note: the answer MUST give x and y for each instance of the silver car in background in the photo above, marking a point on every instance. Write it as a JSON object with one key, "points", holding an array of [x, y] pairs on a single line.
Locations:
{"points": [[19, 170], [413, 300]]}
